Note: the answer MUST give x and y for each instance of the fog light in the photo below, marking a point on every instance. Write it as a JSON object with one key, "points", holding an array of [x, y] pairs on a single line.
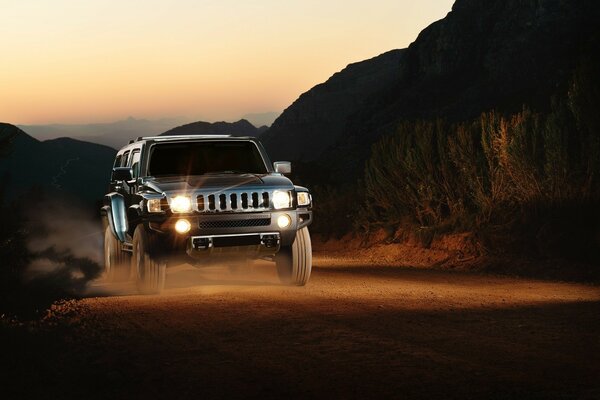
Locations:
{"points": [[183, 226], [284, 221]]}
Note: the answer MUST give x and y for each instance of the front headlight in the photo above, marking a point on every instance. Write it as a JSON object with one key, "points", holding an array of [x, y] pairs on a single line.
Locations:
{"points": [[282, 199], [303, 198], [181, 204]]}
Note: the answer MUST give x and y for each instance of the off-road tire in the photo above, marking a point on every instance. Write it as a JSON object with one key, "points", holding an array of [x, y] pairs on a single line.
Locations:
{"points": [[149, 271], [294, 263], [117, 263]]}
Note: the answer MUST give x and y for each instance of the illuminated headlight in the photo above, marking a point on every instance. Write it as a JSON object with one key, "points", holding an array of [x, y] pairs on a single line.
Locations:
{"points": [[183, 226], [181, 204], [154, 205], [281, 199], [283, 221], [303, 198]]}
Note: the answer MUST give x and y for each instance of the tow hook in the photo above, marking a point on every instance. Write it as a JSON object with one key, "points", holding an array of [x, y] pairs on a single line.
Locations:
{"points": [[202, 243], [269, 241]]}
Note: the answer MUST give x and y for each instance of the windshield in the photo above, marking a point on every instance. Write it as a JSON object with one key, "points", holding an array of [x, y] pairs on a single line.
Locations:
{"points": [[205, 157]]}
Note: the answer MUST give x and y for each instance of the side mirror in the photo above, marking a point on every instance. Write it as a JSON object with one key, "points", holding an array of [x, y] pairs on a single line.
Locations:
{"points": [[122, 174], [283, 167]]}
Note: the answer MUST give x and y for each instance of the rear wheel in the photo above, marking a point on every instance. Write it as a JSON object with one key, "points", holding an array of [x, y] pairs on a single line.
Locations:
{"points": [[294, 263], [149, 270], [117, 263]]}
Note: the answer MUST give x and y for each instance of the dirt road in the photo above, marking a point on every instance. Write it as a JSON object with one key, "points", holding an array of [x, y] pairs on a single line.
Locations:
{"points": [[353, 332]]}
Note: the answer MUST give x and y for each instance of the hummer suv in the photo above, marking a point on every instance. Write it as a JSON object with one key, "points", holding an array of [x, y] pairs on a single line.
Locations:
{"points": [[202, 199]]}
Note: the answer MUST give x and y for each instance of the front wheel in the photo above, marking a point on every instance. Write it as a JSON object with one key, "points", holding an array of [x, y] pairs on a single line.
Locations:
{"points": [[150, 272], [294, 263], [117, 264]]}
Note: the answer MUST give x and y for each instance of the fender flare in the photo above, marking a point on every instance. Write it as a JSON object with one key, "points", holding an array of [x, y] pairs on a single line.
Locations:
{"points": [[116, 214]]}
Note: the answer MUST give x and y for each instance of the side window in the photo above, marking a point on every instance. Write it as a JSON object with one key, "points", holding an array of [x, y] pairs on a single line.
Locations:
{"points": [[118, 161], [135, 162], [125, 159]]}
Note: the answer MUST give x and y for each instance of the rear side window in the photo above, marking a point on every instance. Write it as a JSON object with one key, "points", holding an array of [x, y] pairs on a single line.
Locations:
{"points": [[125, 159]]}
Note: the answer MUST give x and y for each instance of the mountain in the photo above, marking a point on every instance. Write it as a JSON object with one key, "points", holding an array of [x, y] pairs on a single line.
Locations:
{"points": [[496, 54], [262, 119], [318, 118], [113, 134], [239, 128], [63, 165]]}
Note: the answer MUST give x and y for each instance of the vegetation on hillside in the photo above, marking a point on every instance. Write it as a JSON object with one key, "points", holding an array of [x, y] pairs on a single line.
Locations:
{"points": [[526, 183], [535, 175]]}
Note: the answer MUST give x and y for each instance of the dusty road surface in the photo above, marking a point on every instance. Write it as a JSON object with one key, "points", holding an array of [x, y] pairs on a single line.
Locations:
{"points": [[354, 332]]}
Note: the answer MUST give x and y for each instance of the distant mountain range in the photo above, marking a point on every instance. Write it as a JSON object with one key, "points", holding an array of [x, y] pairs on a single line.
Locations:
{"points": [[113, 134], [117, 134], [65, 165], [496, 54], [239, 128], [79, 168]]}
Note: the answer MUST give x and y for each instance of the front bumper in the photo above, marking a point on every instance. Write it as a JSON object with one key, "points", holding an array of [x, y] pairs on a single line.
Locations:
{"points": [[252, 235], [247, 245]]}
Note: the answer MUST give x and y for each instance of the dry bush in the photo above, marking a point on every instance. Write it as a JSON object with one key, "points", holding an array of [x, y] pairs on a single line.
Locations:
{"points": [[525, 174]]}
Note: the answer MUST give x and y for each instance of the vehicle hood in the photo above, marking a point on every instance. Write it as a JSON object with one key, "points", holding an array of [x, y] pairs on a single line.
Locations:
{"points": [[219, 182]]}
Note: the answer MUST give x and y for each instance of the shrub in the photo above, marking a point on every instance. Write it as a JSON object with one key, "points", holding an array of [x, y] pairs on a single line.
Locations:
{"points": [[515, 172]]}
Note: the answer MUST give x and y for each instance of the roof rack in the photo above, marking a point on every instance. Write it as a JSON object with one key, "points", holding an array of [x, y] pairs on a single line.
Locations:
{"points": [[169, 137]]}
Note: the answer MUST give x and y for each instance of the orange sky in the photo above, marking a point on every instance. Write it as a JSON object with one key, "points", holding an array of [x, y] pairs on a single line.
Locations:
{"points": [[73, 61]]}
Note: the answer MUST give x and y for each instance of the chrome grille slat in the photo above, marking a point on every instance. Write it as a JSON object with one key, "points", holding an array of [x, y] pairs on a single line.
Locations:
{"points": [[233, 201], [201, 203]]}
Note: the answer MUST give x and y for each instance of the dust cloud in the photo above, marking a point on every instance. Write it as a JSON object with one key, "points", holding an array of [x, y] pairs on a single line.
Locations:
{"points": [[68, 228], [66, 243], [203, 278], [222, 274], [64, 240]]}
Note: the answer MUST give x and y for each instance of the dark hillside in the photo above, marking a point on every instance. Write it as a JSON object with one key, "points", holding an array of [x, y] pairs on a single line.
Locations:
{"points": [[488, 55], [319, 117], [64, 165]]}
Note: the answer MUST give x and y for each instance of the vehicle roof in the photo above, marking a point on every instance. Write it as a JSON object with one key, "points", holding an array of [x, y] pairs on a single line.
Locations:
{"points": [[178, 138], [168, 138]]}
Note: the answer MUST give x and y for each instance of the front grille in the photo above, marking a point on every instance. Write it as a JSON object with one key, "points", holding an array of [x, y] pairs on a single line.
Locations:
{"points": [[236, 223], [233, 201]]}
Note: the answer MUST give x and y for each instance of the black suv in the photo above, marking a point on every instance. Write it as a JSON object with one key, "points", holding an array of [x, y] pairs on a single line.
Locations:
{"points": [[202, 199]]}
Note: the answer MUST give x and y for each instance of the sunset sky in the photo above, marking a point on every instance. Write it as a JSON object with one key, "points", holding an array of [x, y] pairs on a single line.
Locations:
{"points": [[72, 61]]}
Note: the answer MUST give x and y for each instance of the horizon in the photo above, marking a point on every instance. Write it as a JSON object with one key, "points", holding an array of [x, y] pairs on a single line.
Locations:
{"points": [[133, 118], [83, 63]]}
